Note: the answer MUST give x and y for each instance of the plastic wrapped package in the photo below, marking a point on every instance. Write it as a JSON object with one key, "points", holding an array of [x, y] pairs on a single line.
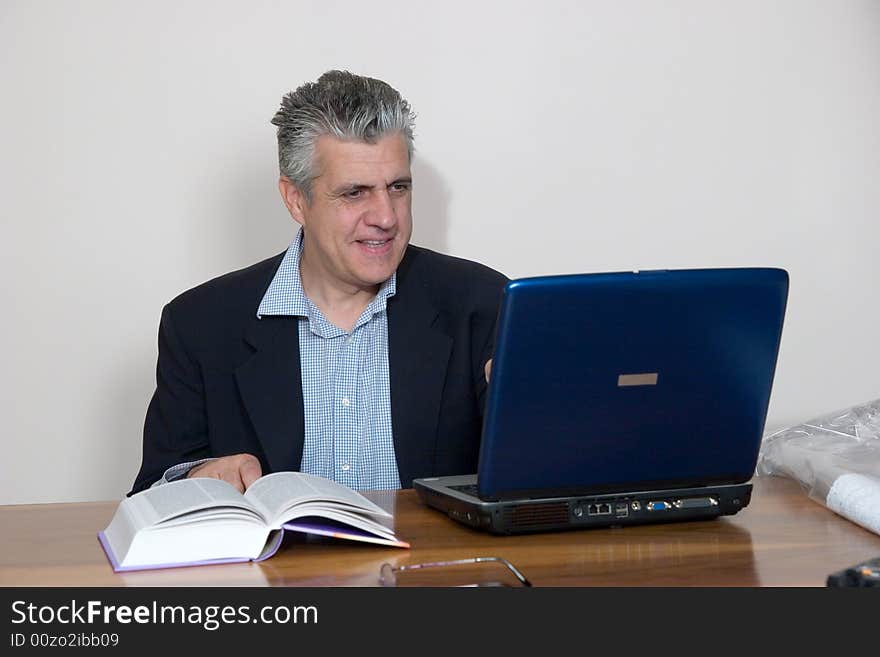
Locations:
{"points": [[835, 458]]}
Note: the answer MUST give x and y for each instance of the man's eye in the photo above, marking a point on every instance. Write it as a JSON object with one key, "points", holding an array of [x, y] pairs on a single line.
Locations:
{"points": [[400, 187], [354, 193]]}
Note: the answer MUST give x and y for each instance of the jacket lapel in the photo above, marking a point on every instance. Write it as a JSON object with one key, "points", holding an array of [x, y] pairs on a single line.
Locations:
{"points": [[418, 357], [271, 389]]}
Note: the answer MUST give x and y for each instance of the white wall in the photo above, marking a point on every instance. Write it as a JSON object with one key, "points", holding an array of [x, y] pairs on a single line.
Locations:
{"points": [[137, 160]]}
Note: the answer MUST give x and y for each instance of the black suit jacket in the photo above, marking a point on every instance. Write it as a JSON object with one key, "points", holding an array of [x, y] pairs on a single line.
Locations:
{"points": [[227, 382]]}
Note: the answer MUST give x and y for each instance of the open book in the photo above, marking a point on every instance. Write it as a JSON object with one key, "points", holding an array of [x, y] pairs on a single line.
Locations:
{"points": [[201, 520]]}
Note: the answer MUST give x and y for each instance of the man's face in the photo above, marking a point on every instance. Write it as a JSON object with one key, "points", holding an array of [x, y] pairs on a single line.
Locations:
{"points": [[359, 220]]}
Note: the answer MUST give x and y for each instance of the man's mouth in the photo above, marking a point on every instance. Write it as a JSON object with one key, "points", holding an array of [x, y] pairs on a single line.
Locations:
{"points": [[375, 245]]}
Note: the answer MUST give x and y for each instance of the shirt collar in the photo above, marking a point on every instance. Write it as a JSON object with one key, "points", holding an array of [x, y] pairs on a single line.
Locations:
{"points": [[285, 295]]}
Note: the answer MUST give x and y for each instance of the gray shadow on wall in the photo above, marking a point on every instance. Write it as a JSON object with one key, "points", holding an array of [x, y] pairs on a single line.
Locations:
{"points": [[431, 197], [131, 391], [255, 224]]}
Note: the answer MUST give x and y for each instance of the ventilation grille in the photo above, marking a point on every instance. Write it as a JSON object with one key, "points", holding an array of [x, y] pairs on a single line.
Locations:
{"points": [[537, 515]]}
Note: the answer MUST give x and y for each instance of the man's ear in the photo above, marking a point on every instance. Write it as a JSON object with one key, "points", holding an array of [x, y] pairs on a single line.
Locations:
{"points": [[293, 199]]}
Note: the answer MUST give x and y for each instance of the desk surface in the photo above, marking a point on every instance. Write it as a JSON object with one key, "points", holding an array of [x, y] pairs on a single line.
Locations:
{"points": [[782, 538]]}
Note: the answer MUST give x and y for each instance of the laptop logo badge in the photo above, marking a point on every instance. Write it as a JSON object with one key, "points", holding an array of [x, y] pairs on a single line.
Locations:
{"points": [[645, 379]]}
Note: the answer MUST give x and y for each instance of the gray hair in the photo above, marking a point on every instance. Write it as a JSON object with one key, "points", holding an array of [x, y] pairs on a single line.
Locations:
{"points": [[341, 104]]}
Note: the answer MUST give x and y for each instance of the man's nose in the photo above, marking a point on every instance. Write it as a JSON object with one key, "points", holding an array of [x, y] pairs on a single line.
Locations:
{"points": [[382, 212]]}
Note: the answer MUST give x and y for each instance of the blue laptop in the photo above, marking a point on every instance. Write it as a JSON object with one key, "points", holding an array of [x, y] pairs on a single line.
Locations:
{"points": [[622, 398]]}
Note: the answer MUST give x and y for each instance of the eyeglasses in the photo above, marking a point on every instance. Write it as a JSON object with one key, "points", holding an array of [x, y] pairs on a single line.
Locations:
{"points": [[388, 573]]}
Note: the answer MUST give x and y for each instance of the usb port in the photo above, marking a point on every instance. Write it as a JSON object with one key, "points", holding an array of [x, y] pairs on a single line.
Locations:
{"points": [[621, 509]]}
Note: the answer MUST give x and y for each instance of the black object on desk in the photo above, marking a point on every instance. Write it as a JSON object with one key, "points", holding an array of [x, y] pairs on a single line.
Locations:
{"points": [[866, 573]]}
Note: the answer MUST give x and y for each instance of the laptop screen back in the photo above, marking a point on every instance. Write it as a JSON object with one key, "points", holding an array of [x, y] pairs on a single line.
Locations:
{"points": [[604, 382]]}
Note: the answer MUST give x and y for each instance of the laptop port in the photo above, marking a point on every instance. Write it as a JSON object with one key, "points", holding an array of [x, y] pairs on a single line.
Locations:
{"points": [[621, 509], [695, 503], [658, 506], [603, 509]]}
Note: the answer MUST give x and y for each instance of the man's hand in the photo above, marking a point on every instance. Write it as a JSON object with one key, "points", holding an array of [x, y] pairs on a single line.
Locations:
{"points": [[488, 369], [240, 470]]}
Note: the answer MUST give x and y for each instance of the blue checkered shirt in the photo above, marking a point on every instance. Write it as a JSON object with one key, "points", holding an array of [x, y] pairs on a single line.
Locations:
{"points": [[345, 382]]}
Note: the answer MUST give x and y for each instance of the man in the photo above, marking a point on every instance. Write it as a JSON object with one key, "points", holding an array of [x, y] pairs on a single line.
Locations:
{"points": [[352, 355]]}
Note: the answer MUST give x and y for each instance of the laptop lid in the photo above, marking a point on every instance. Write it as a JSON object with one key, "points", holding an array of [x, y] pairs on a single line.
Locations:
{"points": [[630, 381]]}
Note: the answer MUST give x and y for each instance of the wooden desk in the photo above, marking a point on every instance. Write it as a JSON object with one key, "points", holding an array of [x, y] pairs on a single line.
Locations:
{"points": [[781, 539]]}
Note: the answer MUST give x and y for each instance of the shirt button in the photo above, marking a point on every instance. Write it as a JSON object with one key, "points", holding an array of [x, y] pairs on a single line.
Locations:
{"points": [[346, 467], [345, 401]]}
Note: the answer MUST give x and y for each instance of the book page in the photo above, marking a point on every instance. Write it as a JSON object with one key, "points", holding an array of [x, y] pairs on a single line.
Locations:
{"points": [[215, 514], [186, 496], [383, 528], [321, 526], [274, 494]]}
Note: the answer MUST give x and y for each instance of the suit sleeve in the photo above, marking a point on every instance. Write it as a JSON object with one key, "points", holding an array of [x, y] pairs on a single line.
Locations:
{"points": [[175, 429], [487, 333]]}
